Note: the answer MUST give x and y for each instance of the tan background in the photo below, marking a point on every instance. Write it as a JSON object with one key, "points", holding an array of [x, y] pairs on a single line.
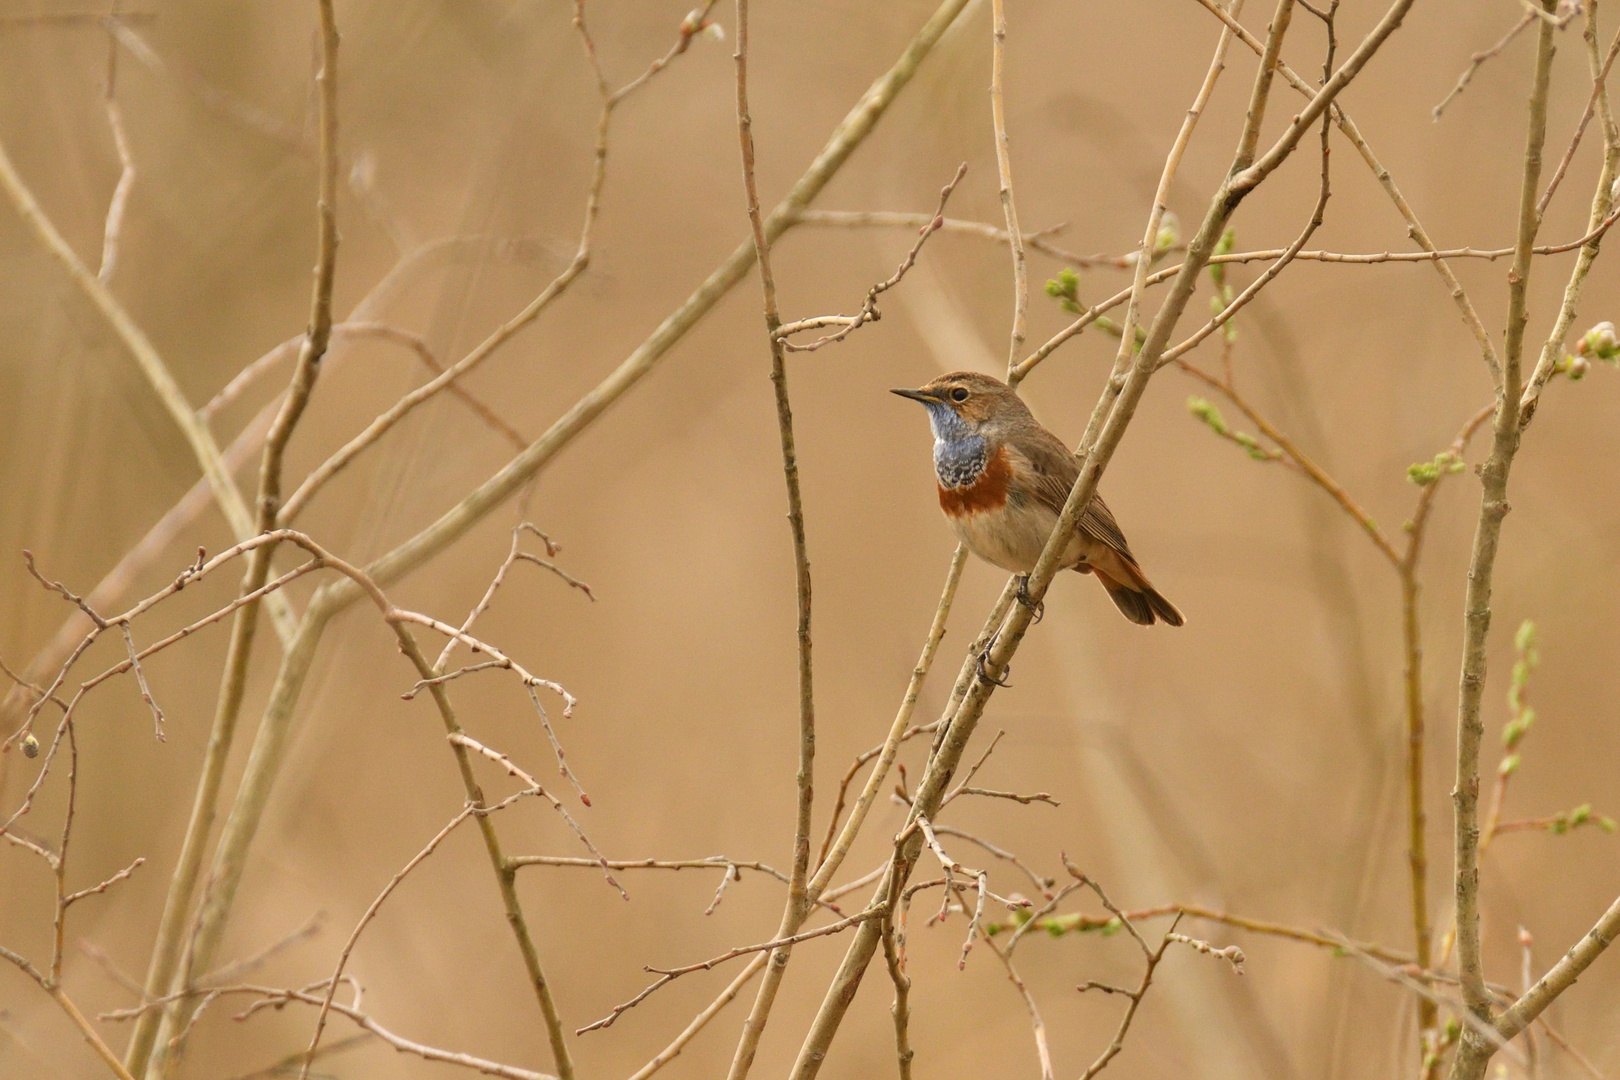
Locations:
{"points": [[1251, 760]]}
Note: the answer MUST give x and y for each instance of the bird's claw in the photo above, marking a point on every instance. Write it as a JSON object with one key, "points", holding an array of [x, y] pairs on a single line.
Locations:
{"points": [[984, 669], [1037, 608]]}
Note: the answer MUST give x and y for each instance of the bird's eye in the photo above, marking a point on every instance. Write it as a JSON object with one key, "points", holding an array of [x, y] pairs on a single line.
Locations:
{"points": [[959, 394]]}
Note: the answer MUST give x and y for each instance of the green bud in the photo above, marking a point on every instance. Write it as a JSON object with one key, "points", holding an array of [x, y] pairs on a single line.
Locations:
{"points": [[1217, 271], [1058, 925], [1423, 473], [1509, 766], [30, 746], [1524, 639], [1169, 234], [1208, 413], [1250, 444], [1066, 286]]}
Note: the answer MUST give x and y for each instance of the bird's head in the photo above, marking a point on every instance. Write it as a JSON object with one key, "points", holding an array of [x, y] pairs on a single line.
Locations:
{"points": [[967, 403]]}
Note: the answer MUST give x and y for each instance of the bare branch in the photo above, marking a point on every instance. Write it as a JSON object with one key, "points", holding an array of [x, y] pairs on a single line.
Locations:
{"points": [[1479, 58], [460, 739], [359, 928], [1009, 208], [701, 1020], [869, 309], [140, 680], [669, 975], [1034, 241], [274, 997], [96, 890]]}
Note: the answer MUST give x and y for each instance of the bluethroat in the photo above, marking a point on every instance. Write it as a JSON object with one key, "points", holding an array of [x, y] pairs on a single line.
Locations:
{"points": [[1003, 480]]}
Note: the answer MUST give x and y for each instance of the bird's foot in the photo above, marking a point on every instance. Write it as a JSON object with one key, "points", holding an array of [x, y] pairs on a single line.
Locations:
{"points": [[984, 668], [1037, 608]]}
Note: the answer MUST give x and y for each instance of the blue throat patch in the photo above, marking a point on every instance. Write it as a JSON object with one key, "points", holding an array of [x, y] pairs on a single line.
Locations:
{"points": [[960, 452]]}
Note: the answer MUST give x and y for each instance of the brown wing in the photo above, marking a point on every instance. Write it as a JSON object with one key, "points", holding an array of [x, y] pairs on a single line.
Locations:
{"points": [[1056, 469]]}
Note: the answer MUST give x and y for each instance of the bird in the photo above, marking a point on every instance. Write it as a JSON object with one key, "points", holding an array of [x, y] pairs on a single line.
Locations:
{"points": [[1003, 479]]}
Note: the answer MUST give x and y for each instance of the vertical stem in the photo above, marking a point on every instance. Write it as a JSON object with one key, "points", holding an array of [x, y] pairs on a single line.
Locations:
{"points": [[237, 835], [505, 872], [1474, 1052], [166, 954], [797, 907], [60, 923], [1417, 816], [1015, 236], [902, 997]]}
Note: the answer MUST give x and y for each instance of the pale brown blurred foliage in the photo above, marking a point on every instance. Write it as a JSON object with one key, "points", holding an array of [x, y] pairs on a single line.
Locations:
{"points": [[1251, 761]]}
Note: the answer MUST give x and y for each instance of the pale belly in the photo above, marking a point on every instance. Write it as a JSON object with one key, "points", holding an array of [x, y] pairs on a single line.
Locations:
{"points": [[1011, 537]]}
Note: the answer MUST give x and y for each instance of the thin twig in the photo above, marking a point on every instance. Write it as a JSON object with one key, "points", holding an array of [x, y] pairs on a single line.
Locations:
{"points": [[1479, 58], [833, 853], [275, 996], [96, 890], [1599, 90], [849, 778], [1009, 208], [235, 969], [869, 310], [359, 927], [464, 740], [1034, 241], [1042, 1051], [140, 680], [669, 975], [701, 1020]]}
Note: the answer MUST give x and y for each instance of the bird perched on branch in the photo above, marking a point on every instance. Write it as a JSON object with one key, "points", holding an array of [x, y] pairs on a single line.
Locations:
{"points": [[1003, 480]]}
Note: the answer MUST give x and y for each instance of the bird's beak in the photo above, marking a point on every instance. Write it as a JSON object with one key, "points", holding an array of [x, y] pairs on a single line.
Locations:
{"points": [[917, 395]]}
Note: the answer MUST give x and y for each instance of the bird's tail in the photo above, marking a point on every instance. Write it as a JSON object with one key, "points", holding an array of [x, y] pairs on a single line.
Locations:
{"points": [[1134, 594]]}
